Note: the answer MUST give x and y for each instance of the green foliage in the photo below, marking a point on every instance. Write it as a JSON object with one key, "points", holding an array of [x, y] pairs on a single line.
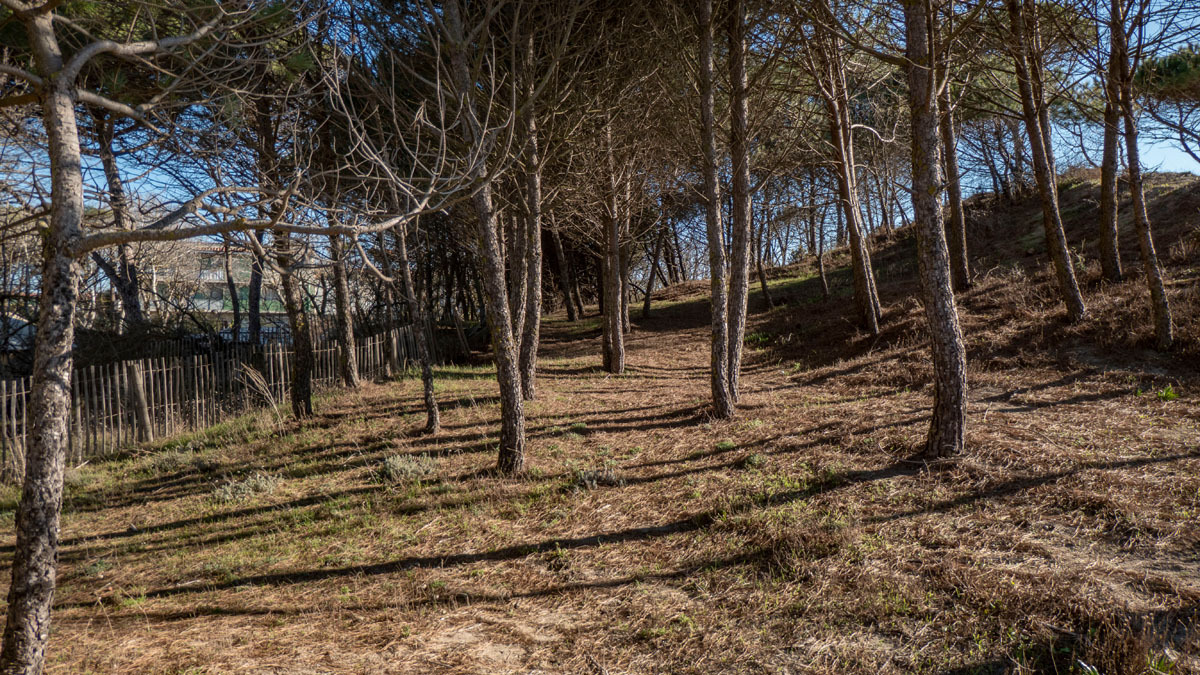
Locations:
{"points": [[726, 446], [1174, 77], [1167, 393]]}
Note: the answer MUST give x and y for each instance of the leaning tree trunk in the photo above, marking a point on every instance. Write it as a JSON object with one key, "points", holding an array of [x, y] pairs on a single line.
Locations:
{"points": [[722, 399], [347, 354], [956, 227], [1150, 267], [933, 257], [739, 264], [518, 274], [433, 418], [511, 458], [1029, 73], [300, 388], [35, 552]]}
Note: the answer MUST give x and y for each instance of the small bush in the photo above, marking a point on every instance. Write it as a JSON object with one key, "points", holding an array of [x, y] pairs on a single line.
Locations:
{"points": [[406, 469], [726, 446], [579, 428], [240, 490]]}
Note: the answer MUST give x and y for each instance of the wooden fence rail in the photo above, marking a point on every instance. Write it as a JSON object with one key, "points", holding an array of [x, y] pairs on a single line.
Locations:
{"points": [[119, 404]]}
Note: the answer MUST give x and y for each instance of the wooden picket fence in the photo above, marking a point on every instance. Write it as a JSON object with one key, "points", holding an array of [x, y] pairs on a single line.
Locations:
{"points": [[120, 404]]}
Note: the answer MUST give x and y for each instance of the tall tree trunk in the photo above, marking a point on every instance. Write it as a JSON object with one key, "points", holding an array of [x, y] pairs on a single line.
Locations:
{"points": [[302, 348], [125, 277], [516, 255], [762, 242], [933, 257], [347, 354], [1110, 255], [35, 553], [420, 324], [511, 458], [722, 399], [837, 103], [235, 301], [614, 359], [533, 228], [564, 278], [254, 296], [1160, 307], [654, 258], [956, 227], [739, 263], [1029, 79]]}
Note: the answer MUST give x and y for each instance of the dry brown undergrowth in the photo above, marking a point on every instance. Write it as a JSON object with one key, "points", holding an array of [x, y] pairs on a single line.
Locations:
{"points": [[800, 537]]}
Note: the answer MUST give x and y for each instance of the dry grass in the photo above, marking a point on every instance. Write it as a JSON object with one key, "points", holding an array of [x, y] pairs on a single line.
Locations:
{"points": [[800, 537]]}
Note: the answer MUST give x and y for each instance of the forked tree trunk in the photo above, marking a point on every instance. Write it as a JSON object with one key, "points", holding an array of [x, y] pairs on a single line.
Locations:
{"points": [[739, 263], [35, 552], [420, 321], [511, 458], [1029, 80], [722, 400], [347, 354], [956, 226], [949, 355]]}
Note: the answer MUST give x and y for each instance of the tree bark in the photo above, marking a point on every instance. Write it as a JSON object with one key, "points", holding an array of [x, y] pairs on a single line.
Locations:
{"points": [[949, 355], [300, 390], [35, 553], [739, 264], [723, 406], [235, 302], [347, 354], [614, 359], [1159, 304], [124, 277], [1110, 256], [654, 258], [1029, 74], [533, 246], [254, 296], [420, 323], [564, 278], [511, 458], [956, 227]]}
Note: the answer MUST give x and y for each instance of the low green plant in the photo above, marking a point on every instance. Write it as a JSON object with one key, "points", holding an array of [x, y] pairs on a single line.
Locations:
{"points": [[726, 446], [406, 469], [1167, 393], [754, 461], [253, 485]]}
